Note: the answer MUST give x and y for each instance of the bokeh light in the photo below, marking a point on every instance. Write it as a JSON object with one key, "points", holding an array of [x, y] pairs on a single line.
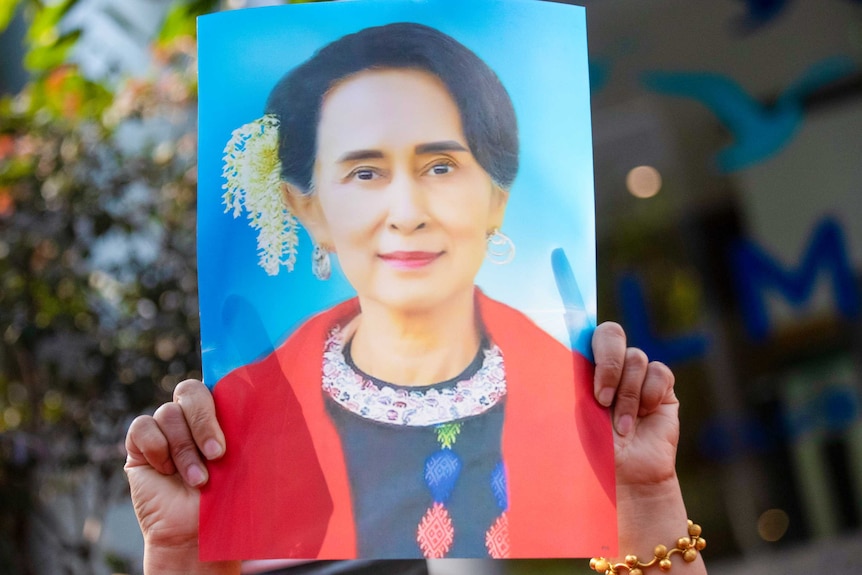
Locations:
{"points": [[772, 524], [643, 182]]}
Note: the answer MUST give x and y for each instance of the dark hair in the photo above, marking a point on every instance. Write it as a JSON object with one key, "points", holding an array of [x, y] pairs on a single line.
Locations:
{"points": [[487, 114]]}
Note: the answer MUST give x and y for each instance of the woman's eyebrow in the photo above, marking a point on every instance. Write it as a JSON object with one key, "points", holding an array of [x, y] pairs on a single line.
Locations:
{"points": [[360, 155], [436, 147]]}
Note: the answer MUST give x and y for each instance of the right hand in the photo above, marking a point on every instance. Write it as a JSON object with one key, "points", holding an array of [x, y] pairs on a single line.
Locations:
{"points": [[166, 465]]}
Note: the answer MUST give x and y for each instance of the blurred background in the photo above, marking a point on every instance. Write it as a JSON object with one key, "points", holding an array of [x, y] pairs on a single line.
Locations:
{"points": [[728, 153]]}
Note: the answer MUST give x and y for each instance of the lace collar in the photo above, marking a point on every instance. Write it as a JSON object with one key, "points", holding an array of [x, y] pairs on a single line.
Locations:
{"points": [[398, 405]]}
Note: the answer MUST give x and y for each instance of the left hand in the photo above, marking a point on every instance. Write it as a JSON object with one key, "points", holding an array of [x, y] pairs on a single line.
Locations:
{"points": [[644, 409], [645, 412]]}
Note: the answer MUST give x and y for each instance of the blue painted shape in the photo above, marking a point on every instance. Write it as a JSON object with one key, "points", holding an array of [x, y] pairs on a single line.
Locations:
{"points": [[758, 131], [725, 438], [818, 75], [601, 67], [578, 322], [833, 410], [758, 14], [498, 486], [715, 442], [838, 409], [641, 333], [442, 469], [754, 270], [600, 72]]}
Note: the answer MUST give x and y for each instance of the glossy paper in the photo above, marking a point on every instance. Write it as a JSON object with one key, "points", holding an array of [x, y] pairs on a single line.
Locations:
{"points": [[288, 484]]}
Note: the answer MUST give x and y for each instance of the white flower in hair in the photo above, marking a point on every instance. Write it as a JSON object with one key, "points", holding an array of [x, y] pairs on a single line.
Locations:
{"points": [[252, 173]]}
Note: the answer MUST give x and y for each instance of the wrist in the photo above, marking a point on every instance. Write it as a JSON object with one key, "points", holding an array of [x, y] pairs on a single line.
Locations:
{"points": [[649, 515], [183, 560], [652, 515]]}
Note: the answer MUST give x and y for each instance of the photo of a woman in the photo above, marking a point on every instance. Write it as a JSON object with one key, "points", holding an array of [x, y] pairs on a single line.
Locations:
{"points": [[420, 417]]}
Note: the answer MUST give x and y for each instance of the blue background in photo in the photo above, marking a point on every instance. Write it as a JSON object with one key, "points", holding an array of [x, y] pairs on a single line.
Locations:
{"points": [[539, 51]]}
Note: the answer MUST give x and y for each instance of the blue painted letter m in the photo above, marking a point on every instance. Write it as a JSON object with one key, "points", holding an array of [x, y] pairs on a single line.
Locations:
{"points": [[755, 270]]}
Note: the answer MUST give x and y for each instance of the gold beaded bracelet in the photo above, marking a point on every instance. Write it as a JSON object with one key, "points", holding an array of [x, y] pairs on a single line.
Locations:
{"points": [[687, 546]]}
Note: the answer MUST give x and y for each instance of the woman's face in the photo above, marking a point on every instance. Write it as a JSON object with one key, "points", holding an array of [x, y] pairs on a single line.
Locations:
{"points": [[398, 195]]}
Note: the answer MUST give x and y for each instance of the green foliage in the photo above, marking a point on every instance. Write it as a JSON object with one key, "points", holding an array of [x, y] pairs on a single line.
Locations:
{"points": [[61, 95], [98, 292], [7, 12], [98, 287], [98, 305], [180, 20], [49, 47], [50, 50]]}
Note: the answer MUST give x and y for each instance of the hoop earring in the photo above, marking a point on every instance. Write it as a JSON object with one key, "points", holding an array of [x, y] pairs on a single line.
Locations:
{"points": [[500, 248], [321, 267]]}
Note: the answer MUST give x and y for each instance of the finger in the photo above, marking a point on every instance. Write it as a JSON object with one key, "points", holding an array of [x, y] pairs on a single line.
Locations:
{"points": [[197, 404], [181, 444], [628, 399], [609, 351], [657, 387], [147, 445]]}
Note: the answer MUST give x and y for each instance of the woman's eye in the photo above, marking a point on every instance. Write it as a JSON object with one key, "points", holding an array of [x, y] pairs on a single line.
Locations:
{"points": [[365, 174], [441, 169]]}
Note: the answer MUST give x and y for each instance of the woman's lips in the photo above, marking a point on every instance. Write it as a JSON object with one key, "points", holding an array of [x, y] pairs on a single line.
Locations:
{"points": [[409, 260]]}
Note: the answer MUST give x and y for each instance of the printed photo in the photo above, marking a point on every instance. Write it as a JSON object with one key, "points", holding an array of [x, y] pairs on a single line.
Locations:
{"points": [[396, 256]]}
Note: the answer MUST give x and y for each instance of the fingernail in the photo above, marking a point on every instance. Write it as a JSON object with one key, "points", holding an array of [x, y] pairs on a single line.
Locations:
{"points": [[212, 449], [196, 476], [606, 396], [624, 424]]}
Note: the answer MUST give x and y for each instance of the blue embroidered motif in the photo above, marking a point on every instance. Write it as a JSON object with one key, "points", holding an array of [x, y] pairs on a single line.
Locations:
{"points": [[441, 472], [498, 486]]}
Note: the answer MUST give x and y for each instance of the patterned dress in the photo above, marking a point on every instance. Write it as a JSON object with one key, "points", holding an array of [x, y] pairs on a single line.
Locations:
{"points": [[424, 463]]}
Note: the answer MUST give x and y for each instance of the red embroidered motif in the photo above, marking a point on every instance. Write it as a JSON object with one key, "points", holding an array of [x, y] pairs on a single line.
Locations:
{"points": [[435, 533], [497, 538]]}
